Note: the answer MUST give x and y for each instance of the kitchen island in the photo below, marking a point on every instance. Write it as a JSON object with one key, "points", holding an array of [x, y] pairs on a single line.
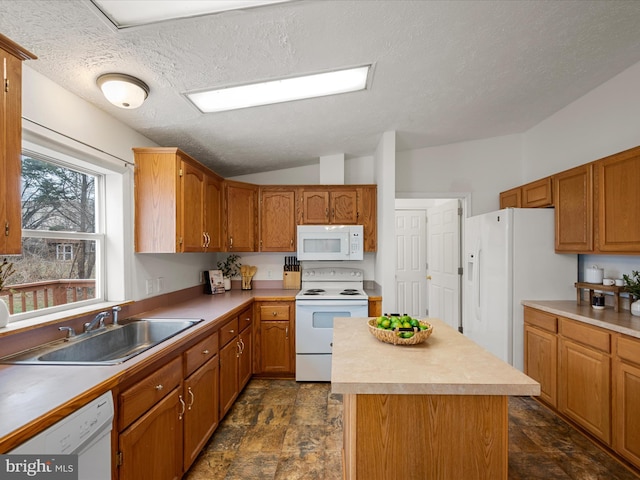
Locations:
{"points": [[437, 410]]}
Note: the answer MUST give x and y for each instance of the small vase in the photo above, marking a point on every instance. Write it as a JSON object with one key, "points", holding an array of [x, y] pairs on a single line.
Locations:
{"points": [[4, 314], [635, 308], [227, 283]]}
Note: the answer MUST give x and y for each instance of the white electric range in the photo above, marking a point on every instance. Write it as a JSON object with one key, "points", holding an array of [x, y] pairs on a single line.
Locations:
{"points": [[327, 292]]}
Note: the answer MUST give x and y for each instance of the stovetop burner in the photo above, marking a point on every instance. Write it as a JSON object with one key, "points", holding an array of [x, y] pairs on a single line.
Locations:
{"points": [[314, 290], [337, 284]]}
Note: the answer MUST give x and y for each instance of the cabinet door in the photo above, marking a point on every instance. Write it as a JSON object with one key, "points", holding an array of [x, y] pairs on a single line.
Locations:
{"points": [[585, 388], [626, 438], [275, 353], [246, 358], [192, 208], [213, 213], [573, 201], [541, 361], [228, 375], [618, 202], [344, 207], [151, 448], [277, 220], [511, 198], [537, 194], [241, 217], [367, 216], [201, 416], [11, 131], [315, 207]]}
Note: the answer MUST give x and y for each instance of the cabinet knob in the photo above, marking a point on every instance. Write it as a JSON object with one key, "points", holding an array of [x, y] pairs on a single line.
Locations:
{"points": [[275, 314], [159, 387], [205, 352], [231, 331]]}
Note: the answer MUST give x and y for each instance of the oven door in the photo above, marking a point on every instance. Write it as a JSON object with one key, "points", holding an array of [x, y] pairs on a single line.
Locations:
{"points": [[314, 322]]}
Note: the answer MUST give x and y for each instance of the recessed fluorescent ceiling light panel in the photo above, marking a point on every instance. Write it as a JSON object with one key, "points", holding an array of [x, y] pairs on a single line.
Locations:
{"points": [[130, 13], [284, 90]]}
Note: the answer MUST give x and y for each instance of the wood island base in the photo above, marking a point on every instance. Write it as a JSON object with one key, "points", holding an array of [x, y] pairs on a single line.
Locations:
{"points": [[444, 437]]}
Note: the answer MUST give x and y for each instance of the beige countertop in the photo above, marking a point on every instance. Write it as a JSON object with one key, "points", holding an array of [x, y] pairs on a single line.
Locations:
{"points": [[447, 363], [35, 397], [621, 322]]}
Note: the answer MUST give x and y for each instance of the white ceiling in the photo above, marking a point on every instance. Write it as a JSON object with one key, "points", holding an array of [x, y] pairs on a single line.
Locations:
{"points": [[444, 71]]}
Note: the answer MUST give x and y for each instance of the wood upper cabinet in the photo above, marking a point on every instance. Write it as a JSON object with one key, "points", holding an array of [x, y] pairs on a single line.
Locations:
{"points": [[538, 194], [329, 205], [342, 205], [177, 203], [277, 219], [213, 212], [618, 203], [511, 198], [532, 195], [11, 57], [573, 201], [242, 216]]}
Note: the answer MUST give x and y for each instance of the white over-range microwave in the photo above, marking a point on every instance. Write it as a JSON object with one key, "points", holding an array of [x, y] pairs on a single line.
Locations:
{"points": [[330, 242]]}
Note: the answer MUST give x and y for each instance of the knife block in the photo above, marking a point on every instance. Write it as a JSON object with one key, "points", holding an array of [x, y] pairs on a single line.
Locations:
{"points": [[291, 280]]}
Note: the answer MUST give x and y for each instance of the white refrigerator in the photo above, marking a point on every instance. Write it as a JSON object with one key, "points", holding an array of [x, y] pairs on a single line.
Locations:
{"points": [[510, 257]]}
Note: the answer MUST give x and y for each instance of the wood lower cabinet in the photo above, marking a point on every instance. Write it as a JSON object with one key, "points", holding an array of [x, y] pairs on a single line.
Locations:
{"points": [[573, 202], [236, 358], [200, 394], [11, 57], [626, 415], [277, 219], [585, 377], [375, 307], [150, 424], [541, 352], [151, 448], [275, 340]]}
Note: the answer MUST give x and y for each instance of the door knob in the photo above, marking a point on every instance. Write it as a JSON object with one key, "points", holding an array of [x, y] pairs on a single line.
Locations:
{"points": [[428, 277]]}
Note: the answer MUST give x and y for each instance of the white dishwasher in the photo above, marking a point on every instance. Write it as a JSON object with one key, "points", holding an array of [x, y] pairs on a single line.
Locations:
{"points": [[86, 433]]}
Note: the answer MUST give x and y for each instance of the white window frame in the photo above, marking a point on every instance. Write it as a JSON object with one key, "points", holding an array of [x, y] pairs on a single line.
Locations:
{"points": [[115, 245]]}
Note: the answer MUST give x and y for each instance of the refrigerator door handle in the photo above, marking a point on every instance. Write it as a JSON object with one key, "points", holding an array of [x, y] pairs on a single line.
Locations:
{"points": [[476, 283]]}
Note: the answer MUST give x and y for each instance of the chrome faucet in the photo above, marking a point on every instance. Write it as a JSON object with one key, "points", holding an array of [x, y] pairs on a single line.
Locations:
{"points": [[115, 311], [98, 320], [70, 331]]}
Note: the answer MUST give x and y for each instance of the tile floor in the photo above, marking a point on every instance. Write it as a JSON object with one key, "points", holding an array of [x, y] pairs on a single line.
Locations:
{"points": [[283, 430]]}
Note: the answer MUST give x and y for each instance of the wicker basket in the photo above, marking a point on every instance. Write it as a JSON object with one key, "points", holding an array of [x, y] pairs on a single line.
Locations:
{"points": [[391, 336]]}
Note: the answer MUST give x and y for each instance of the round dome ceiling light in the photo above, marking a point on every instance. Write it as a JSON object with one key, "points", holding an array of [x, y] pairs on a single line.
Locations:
{"points": [[122, 90]]}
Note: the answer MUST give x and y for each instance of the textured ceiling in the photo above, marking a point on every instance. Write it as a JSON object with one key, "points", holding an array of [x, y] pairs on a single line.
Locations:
{"points": [[444, 71]]}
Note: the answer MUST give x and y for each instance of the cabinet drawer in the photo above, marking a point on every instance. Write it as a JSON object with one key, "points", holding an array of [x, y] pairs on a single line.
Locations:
{"points": [[586, 334], [200, 353], [544, 320], [136, 400], [245, 319], [628, 349], [229, 331], [274, 312]]}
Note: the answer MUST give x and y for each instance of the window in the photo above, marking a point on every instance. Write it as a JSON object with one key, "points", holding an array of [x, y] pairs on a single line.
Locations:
{"points": [[62, 237], [64, 251]]}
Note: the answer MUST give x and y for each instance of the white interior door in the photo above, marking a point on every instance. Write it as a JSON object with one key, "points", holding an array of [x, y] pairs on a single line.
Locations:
{"points": [[443, 262], [411, 269]]}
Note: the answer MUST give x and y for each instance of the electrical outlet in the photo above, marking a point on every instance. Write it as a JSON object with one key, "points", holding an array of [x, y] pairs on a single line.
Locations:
{"points": [[160, 284], [149, 286]]}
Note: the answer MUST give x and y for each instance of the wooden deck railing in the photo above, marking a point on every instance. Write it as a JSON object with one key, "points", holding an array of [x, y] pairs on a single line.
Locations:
{"points": [[26, 297]]}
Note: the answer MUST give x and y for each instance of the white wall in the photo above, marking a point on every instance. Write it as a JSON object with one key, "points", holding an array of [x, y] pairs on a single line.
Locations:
{"points": [[482, 168], [57, 111]]}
